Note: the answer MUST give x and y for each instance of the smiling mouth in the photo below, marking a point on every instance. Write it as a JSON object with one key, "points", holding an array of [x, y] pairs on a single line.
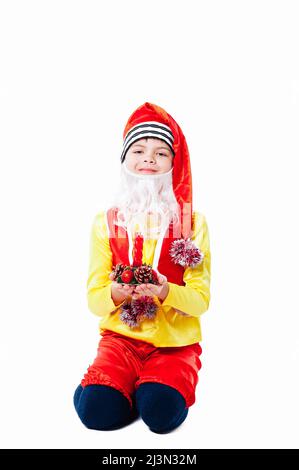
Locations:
{"points": [[148, 171]]}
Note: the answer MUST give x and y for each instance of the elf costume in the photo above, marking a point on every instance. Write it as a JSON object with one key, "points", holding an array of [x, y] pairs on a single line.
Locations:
{"points": [[161, 351]]}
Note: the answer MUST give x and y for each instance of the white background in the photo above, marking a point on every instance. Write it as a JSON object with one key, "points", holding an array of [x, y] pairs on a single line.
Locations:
{"points": [[71, 74]]}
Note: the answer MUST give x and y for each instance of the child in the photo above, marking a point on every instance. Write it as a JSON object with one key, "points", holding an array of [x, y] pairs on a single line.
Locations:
{"points": [[148, 369]]}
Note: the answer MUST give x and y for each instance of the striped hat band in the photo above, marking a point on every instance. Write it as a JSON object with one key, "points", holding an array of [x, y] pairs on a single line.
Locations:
{"points": [[147, 129]]}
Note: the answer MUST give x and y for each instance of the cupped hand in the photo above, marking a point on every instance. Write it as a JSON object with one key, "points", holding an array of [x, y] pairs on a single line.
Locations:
{"points": [[120, 292], [160, 290]]}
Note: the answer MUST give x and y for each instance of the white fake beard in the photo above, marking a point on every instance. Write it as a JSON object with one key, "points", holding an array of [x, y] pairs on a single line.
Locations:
{"points": [[142, 195]]}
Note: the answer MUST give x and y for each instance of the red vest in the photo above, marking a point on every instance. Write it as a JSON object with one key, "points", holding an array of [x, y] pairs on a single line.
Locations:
{"points": [[119, 244]]}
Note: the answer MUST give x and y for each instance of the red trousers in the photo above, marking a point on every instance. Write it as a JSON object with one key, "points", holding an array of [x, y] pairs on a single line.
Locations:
{"points": [[124, 363]]}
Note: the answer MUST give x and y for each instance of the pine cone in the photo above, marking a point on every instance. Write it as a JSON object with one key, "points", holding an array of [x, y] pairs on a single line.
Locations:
{"points": [[118, 270], [143, 274]]}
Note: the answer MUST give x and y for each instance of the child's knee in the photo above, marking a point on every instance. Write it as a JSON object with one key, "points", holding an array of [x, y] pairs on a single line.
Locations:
{"points": [[101, 407], [161, 407], [77, 395]]}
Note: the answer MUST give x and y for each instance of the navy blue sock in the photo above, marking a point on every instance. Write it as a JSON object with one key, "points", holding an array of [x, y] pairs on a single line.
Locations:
{"points": [[161, 407], [103, 407]]}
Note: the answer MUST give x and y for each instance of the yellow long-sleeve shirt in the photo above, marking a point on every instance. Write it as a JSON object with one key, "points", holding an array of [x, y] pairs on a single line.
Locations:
{"points": [[177, 321]]}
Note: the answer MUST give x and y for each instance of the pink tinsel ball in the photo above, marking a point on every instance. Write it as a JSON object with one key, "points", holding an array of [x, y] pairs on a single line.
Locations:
{"points": [[128, 316], [186, 253], [132, 313], [144, 307]]}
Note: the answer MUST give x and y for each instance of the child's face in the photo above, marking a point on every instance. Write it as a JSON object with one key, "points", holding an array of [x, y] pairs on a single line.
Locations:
{"points": [[149, 156]]}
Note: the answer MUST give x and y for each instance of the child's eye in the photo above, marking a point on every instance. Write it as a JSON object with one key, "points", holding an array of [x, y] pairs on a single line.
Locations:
{"points": [[159, 153]]}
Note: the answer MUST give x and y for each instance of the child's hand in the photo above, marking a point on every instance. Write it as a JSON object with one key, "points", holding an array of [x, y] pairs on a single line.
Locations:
{"points": [[161, 290], [119, 292]]}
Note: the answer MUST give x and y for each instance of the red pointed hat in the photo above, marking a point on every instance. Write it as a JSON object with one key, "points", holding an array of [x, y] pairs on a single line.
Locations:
{"points": [[150, 120]]}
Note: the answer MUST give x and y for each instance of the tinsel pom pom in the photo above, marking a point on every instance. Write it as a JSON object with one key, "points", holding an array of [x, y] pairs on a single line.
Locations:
{"points": [[144, 307], [186, 253], [132, 313], [128, 316]]}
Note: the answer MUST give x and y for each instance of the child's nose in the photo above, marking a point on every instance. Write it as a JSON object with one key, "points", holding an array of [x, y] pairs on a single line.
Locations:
{"points": [[149, 161], [149, 158]]}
